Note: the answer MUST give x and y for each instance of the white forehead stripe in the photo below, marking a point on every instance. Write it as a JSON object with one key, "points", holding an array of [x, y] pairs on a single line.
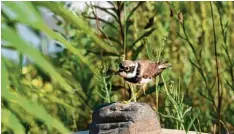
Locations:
{"points": [[133, 74]]}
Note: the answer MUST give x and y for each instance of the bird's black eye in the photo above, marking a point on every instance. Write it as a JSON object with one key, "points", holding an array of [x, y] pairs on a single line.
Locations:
{"points": [[127, 68]]}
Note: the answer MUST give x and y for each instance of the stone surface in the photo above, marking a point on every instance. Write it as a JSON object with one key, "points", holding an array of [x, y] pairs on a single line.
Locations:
{"points": [[164, 131], [120, 118]]}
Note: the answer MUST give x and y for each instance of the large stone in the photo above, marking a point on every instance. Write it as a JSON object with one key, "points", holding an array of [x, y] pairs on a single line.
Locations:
{"points": [[120, 118]]}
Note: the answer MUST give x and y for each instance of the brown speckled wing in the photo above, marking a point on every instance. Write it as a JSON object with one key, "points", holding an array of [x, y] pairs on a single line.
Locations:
{"points": [[149, 69]]}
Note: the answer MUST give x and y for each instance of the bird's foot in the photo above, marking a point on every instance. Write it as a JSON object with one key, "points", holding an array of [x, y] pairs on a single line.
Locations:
{"points": [[144, 91], [127, 102], [144, 88]]}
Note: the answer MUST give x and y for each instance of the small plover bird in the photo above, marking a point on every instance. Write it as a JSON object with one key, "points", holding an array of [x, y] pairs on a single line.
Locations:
{"points": [[140, 72]]}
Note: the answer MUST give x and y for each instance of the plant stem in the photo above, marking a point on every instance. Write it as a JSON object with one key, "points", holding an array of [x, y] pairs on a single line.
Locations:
{"points": [[224, 34], [118, 12], [125, 30], [217, 72], [156, 94]]}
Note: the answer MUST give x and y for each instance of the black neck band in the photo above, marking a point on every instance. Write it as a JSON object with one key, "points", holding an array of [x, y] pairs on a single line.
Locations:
{"points": [[138, 71]]}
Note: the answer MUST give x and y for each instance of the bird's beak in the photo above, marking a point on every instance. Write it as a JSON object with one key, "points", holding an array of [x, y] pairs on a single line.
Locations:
{"points": [[116, 73]]}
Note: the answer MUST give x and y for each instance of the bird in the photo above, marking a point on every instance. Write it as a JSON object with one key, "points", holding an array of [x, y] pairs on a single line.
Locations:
{"points": [[141, 72]]}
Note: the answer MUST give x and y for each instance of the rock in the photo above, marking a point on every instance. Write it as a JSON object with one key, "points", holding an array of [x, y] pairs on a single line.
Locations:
{"points": [[120, 118]]}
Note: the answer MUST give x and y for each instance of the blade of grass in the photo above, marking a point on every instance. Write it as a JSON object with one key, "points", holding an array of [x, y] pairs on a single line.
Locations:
{"points": [[78, 22], [142, 36], [21, 16], [21, 11], [59, 101], [11, 121], [149, 50], [134, 9], [27, 49], [69, 46], [192, 121], [31, 107]]}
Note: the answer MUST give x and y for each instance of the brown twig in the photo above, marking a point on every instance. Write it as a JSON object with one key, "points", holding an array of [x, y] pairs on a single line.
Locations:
{"points": [[97, 21], [224, 34], [120, 23], [107, 11], [102, 20], [210, 96], [220, 94]]}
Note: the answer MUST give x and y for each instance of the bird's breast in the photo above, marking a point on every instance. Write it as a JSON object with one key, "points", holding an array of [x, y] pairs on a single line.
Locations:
{"points": [[138, 80], [134, 80], [145, 80]]}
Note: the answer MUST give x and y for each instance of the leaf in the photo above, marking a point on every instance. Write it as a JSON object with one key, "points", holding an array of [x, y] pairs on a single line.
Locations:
{"points": [[78, 22], [21, 11], [138, 51], [31, 107], [5, 81], [149, 51], [150, 23], [25, 48], [143, 36], [59, 101], [11, 121], [187, 110], [17, 110], [192, 121], [38, 24], [134, 9], [69, 46]]}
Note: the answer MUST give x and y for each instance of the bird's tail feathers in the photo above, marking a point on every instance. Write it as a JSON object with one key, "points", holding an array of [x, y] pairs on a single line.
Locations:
{"points": [[164, 65]]}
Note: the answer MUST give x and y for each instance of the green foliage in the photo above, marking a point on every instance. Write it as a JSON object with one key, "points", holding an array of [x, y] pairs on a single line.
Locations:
{"points": [[31, 107], [180, 111], [11, 121], [105, 85], [56, 94]]}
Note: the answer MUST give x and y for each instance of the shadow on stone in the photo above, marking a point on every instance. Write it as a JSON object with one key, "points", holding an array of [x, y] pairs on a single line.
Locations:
{"points": [[120, 118]]}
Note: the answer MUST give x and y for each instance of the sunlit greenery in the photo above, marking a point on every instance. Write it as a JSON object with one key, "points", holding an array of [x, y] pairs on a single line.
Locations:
{"points": [[56, 94]]}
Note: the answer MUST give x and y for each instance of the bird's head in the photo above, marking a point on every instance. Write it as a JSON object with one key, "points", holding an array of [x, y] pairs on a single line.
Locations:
{"points": [[128, 69]]}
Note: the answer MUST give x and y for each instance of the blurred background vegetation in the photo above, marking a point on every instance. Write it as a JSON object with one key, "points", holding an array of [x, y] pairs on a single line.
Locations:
{"points": [[47, 91]]}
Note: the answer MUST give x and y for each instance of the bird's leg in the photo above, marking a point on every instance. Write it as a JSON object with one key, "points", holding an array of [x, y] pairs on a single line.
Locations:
{"points": [[133, 93], [133, 96], [144, 88], [137, 93]]}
